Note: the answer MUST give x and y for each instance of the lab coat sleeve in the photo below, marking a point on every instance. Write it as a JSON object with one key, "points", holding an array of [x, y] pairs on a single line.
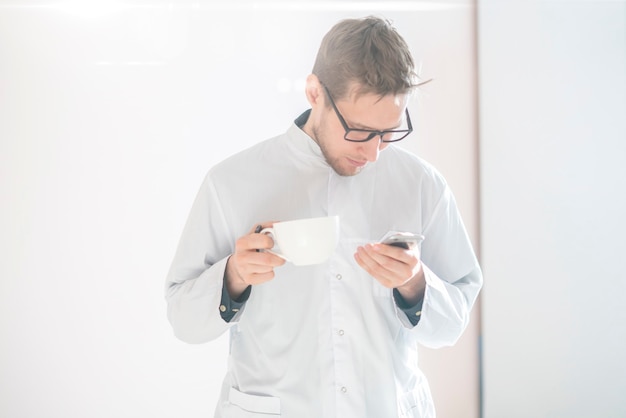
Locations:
{"points": [[453, 277], [446, 309], [193, 286]]}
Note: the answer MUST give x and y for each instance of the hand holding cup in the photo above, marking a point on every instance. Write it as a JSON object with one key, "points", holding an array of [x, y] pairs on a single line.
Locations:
{"points": [[247, 265]]}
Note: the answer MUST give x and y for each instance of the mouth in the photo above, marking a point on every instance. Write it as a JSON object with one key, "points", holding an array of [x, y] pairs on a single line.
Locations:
{"points": [[356, 163]]}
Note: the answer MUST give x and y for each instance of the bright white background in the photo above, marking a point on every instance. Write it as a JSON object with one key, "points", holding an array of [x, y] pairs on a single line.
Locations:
{"points": [[553, 205], [110, 115]]}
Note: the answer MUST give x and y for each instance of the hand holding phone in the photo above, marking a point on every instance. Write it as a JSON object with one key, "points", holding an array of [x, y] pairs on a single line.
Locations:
{"points": [[404, 240]]}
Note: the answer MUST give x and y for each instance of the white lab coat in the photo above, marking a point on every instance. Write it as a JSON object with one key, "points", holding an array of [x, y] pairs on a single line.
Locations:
{"points": [[326, 340]]}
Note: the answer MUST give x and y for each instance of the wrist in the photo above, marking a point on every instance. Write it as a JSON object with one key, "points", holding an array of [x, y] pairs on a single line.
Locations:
{"points": [[413, 290], [235, 285]]}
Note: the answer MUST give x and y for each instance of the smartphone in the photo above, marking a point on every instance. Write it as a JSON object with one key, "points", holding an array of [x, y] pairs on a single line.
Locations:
{"points": [[403, 240]]}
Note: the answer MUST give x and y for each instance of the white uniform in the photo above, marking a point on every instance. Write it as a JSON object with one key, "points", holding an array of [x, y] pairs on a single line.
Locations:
{"points": [[325, 340]]}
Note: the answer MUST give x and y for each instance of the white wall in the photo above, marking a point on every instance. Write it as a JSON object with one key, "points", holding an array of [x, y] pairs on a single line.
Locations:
{"points": [[110, 115], [553, 160]]}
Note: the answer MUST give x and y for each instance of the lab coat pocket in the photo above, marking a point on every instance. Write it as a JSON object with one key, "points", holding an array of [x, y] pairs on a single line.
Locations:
{"points": [[244, 405]]}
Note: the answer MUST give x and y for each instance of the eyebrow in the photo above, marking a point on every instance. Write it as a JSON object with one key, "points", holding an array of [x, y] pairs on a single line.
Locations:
{"points": [[358, 126], [369, 128]]}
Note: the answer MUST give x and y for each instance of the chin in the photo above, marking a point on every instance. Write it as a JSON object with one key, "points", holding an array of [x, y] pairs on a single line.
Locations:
{"points": [[347, 171]]}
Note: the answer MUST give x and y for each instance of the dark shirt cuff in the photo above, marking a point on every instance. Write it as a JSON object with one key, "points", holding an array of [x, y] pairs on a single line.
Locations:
{"points": [[413, 313], [228, 306]]}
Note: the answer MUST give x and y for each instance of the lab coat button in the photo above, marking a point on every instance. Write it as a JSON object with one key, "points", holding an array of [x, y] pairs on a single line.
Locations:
{"points": [[341, 332], [344, 389], [339, 277]]}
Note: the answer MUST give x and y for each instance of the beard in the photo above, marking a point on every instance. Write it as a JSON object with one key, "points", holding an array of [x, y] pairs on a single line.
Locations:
{"points": [[343, 170]]}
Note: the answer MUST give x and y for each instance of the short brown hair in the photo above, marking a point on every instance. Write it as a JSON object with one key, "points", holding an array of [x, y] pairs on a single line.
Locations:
{"points": [[369, 52]]}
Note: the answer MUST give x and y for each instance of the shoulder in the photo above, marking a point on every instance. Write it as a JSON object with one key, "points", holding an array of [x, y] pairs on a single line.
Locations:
{"points": [[402, 163], [248, 159]]}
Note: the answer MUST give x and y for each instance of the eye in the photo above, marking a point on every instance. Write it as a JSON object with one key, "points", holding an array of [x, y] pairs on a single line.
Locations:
{"points": [[360, 136], [371, 135], [387, 136]]}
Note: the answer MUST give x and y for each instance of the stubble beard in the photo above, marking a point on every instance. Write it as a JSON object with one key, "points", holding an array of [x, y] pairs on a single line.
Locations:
{"points": [[334, 163]]}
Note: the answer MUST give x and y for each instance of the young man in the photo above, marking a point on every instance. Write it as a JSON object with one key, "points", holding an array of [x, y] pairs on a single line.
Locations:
{"points": [[337, 339]]}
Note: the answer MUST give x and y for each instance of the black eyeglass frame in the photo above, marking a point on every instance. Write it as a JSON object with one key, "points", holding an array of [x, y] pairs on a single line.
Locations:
{"points": [[372, 133]]}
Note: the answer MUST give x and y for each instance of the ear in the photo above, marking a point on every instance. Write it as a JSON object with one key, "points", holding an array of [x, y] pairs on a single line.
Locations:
{"points": [[313, 90]]}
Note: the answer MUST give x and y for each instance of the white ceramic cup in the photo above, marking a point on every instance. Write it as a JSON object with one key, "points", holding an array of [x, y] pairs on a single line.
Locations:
{"points": [[305, 241]]}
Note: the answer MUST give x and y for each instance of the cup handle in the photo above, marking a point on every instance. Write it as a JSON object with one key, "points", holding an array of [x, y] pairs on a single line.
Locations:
{"points": [[270, 231]]}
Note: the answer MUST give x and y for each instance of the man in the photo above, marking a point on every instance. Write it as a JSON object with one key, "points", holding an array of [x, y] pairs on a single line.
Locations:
{"points": [[337, 339]]}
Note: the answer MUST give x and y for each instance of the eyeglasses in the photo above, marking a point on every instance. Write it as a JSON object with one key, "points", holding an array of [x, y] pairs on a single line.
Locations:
{"points": [[364, 135]]}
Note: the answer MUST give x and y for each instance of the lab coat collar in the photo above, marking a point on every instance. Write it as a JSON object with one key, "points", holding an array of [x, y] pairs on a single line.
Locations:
{"points": [[302, 143]]}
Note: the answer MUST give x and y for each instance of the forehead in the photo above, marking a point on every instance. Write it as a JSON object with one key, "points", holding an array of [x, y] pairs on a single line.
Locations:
{"points": [[355, 90], [372, 111]]}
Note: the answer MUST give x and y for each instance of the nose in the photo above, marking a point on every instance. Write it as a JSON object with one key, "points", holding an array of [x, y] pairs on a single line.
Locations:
{"points": [[372, 148]]}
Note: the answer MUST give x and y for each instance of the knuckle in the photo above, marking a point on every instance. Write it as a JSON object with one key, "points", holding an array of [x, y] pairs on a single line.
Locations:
{"points": [[387, 263]]}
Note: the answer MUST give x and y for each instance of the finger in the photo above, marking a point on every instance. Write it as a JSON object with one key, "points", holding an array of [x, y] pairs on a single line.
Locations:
{"points": [[398, 253], [373, 267], [253, 261], [250, 272], [254, 270], [401, 262], [254, 242], [267, 258], [385, 258], [260, 226], [258, 278], [389, 271]]}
